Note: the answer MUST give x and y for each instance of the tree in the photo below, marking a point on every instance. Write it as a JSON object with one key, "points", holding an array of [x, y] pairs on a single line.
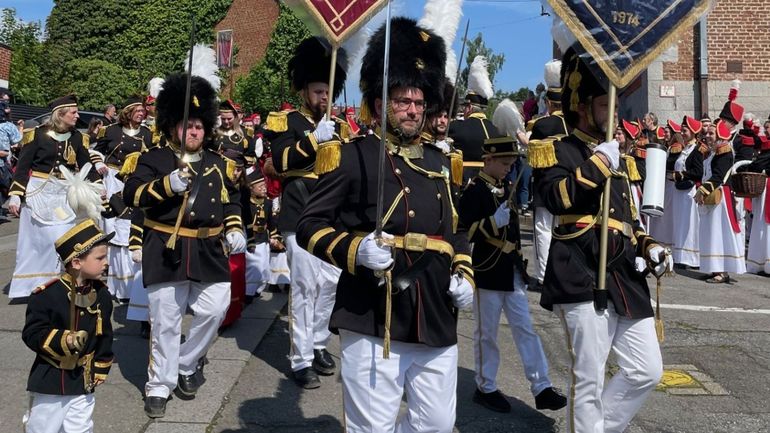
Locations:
{"points": [[26, 80], [476, 47], [266, 85]]}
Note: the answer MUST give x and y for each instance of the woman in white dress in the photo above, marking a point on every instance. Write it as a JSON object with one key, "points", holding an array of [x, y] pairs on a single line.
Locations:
{"points": [[721, 249], [758, 258], [688, 169]]}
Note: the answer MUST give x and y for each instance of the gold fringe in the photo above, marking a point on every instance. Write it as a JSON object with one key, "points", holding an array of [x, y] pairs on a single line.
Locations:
{"points": [[102, 131], [365, 114], [345, 131], [99, 330], [388, 313], [725, 148], [541, 153], [632, 169], [456, 160], [230, 169], [28, 136], [171, 244], [328, 157], [277, 121], [129, 165], [86, 140], [69, 154]]}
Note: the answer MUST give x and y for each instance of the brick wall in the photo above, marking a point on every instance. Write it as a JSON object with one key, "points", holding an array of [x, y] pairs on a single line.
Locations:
{"points": [[5, 62], [737, 32], [252, 23]]}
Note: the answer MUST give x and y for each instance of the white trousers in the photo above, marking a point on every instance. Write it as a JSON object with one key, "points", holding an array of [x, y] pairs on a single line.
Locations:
{"points": [[313, 289], [594, 407], [373, 387], [59, 413], [543, 227], [257, 269], [487, 308], [168, 302], [138, 304]]}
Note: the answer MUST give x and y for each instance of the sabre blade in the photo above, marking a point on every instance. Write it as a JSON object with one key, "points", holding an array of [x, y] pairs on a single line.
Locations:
{"points": [[383, 138]]}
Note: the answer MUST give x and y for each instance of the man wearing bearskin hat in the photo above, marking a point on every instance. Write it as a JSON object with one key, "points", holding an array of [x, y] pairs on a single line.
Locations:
{"points": [[192, 212], [296, 137], [571, 187], [397, 297]]}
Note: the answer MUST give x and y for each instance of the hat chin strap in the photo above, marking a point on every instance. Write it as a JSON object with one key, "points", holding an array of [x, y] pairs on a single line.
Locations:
{"points": [[591, 121], [394, 129]]}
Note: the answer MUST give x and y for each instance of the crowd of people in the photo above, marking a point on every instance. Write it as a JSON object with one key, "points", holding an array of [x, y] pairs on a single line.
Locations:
{"points": [[178, 204]]}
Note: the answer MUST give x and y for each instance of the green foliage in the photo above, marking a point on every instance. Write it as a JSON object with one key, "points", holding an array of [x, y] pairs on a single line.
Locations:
{"points": [[26, 76], [266, 85], [98, 83]]}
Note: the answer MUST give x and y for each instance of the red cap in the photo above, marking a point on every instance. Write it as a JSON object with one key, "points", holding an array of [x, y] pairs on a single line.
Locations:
{"points": [[286, 106], [693, 125], [674, 126], [150, 100], [765, 143], [631, 128], [660, 133], [350, 111], [724, 133]]}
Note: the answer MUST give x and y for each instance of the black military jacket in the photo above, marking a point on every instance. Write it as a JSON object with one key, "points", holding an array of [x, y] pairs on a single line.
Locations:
{"points": [[552, 125], [720, 165], [693, 168], [571, 190], [294, 155], [47, 325], [217, 202], [496, 250], [42, 154], [242, 142], [260, 225], [744, 145], [761, 163], [114, 144], [469, 135], [418, 198]]}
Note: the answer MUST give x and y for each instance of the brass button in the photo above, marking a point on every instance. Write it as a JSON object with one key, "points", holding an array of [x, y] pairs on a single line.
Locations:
{"points": [[407, 190], [211, 184], [615, 232], [213, 200], [624, 195], [213, 216], [82, 314], [398, 171], [612, 209], [438, 196], [411, 214], [192, 213]]}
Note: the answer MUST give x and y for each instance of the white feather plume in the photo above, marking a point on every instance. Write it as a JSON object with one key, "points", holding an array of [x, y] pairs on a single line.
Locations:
{"points": [[204, 65], [553, 74], [155, 86], [478, 78], [507, 118], [736, 84], [83, 196], [443, 18], [750, 116]]}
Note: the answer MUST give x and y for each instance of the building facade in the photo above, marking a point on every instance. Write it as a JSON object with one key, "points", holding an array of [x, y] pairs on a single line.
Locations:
{"points": [[5, 65]]}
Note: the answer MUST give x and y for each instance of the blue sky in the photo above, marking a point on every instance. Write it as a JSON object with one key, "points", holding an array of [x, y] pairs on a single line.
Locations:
{"points": [[512, 27]]}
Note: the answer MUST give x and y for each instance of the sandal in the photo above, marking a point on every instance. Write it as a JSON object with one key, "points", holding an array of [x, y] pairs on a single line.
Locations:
{"points": [[719, 278]]}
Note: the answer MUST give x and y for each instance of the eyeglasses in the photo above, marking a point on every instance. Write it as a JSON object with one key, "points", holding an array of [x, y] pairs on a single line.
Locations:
{"points": [[404, 104]]}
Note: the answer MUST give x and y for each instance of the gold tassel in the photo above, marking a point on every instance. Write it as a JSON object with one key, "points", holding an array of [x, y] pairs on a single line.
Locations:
{"points": [[102, 131], [129, 165], [541, 153], [171, 244], [456, 160], [388, 314], [365, 114], [328, 157], [29, 135], [230, 169], [99, 321], [85, 140], [277, 121], [633, 171], [659, 331], [69, 154]]}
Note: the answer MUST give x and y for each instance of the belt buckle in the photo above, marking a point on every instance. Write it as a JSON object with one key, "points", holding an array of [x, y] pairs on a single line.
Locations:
{"points": [[203, 232], [417, 242]]}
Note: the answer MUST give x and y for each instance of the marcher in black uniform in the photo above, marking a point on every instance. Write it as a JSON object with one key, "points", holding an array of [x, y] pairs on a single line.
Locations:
{"points": [[500, 274], [298, 138], [469, 134], [572, 188], [231, 135], [416, 318], [260, 226], [193, 218], [68, 326]]}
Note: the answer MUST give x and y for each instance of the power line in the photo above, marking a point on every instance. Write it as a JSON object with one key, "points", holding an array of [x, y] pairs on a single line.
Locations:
{"points": [[506, 23]]}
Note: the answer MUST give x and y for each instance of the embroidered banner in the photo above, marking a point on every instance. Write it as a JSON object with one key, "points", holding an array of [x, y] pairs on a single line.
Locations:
{"points": [[338, 19]]}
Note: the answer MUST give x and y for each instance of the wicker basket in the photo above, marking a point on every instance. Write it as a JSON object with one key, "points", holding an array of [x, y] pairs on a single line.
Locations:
{"points": [[747, 184]]}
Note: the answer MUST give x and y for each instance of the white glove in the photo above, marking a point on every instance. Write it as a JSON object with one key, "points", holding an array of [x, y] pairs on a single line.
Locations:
{"points": [[502, 215], [14, 200], [667, 264], [612, 151], [136, 256], [640, 264], [324, 131], [373, 256], [461, 292], [178, 181], [236, 241], [101, 168]]}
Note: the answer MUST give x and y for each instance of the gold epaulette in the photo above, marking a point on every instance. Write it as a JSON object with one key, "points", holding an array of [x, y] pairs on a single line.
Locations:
{"points": [[28, 136], [230, 169], [345, 132], [277, 121], [86, 140], [102, 131], [327, 157], [456, 162], [249, 132], [541, 153], [531, 124], [631, 169], [724, 148], [129, 164], [675, 148]]}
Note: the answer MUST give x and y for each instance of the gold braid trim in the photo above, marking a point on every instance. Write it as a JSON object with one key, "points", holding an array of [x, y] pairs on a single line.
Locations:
{"points": [[541, 153]]}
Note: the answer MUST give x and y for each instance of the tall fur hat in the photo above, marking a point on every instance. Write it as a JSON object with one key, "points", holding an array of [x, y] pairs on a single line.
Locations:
{"points": [[170, 104], [311, 64], [578, 84], [417, 59]]}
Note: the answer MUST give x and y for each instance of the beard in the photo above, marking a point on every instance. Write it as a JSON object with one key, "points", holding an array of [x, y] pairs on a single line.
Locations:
{"points": [[318, 110]]}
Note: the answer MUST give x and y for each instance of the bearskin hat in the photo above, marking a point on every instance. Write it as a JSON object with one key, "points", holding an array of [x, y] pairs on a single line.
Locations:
{"points": [[417, 59], [578, 84], [311, 64], [446, 99], [170, 104]]}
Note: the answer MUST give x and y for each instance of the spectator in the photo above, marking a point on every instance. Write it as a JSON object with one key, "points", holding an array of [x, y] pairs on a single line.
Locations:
{"points": [[542, 107], [111, 114], [93, 128], [10, 135], [530, 107], [650, 122]]}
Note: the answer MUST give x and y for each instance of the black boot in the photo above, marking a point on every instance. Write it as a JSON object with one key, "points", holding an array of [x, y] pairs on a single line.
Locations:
{"points": [[155, 407], [187, 386], [323, 363], [144, 330], [494, 400], [550, 398], [306, 378]]}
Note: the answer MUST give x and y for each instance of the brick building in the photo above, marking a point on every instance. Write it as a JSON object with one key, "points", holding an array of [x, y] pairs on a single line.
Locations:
{"points": [[694, 76], [251, 22], [5, 65]]}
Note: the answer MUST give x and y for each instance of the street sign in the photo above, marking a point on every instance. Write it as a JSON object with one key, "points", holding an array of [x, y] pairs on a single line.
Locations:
{"points": [[337, 19], [625, 36]]}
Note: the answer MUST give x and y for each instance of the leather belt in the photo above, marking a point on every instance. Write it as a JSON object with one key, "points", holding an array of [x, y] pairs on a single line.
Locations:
{"points": [[473, 164], [42, 175], [584, 220], [506, 246], [200, 233], [419, 242]]}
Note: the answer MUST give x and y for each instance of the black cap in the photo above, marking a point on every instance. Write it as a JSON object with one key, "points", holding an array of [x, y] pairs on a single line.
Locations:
{"points": [[63, 102], [79, 240]]}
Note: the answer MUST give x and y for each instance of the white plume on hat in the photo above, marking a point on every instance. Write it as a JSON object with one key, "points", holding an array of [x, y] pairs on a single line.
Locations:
{"points": [[155, 86], [204, 65], [478, 78], [443, 18], [507, 118], [83, 196], [553, 74]]}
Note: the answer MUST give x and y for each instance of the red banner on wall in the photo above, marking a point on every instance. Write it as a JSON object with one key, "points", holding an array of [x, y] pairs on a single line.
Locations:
{"points": [[225, 49]]}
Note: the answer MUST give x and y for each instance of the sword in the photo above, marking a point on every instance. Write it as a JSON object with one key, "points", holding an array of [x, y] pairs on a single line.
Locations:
{"points": [[185, 117], [457, 74], [383, 133]]}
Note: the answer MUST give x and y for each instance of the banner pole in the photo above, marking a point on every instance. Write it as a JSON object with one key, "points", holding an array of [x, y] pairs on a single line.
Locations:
{"points": [[600, 293]]}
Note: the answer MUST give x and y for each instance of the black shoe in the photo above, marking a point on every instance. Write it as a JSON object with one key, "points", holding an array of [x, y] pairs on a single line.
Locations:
{"points": [[323, 362], [550, 398], [187, 386], [494, 400], [144, 330], [307, 378], [199, 369], [155, 407], [537, 287]]}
